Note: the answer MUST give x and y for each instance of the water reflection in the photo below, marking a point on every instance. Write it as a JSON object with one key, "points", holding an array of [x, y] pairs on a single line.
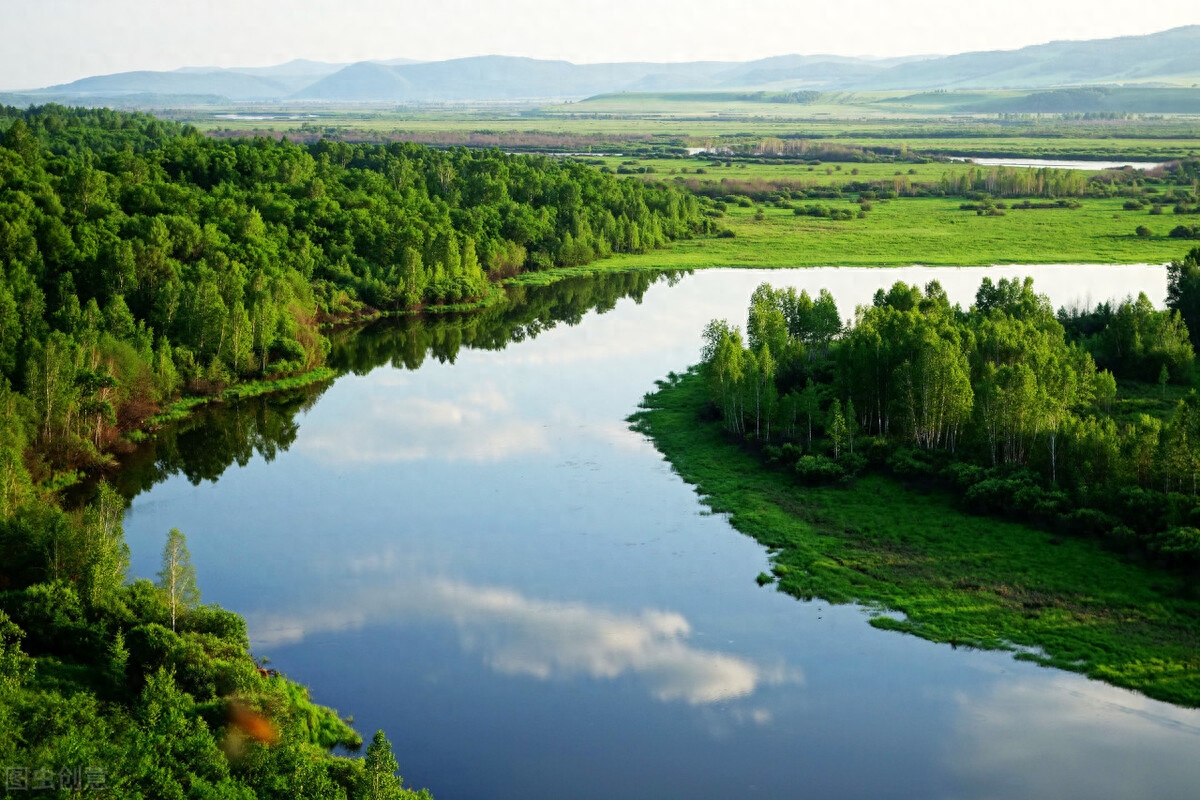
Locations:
{"points": [[528, 312], [205, 444], [465, 428], [480, 558], [479, 424], [518, 635], [1133, 746]]}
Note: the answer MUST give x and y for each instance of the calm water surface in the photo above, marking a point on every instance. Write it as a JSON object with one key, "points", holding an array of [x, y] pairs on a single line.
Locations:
{"points": [[1038, 163], [468, 548]]}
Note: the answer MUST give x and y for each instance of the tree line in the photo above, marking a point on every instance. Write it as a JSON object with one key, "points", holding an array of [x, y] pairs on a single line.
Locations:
{"points": [[139, 258], [1027, 413]]}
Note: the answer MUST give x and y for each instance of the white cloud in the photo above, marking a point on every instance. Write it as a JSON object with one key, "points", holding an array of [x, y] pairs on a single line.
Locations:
{"points": [[1066, 737], [477, 425], [517, 635]]}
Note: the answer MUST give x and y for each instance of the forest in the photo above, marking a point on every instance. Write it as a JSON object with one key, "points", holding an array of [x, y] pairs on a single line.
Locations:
{"points": [[1021, 411], [140, 260]]}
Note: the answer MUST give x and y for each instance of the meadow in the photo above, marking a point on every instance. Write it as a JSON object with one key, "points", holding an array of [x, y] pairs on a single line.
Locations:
{"points": [[926, 231], [953, 577], [618, 123]]}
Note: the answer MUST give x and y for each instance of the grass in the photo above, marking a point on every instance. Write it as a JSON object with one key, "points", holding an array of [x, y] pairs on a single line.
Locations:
{"points": [[933, 232], [803, 176], [905, 232], [183, 407], [956, 578], [615, 123]]}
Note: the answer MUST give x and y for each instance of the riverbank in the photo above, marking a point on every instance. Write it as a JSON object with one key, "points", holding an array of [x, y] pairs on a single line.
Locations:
{"points": [[955, 578], [907, 232], [184, 406]]}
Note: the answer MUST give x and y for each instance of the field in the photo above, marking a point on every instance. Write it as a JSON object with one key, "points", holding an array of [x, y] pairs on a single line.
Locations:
{"points": [[956, 578], [924, 231], [927, 123]]}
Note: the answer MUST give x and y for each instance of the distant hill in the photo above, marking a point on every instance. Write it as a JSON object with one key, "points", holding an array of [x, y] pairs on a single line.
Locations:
{"points": [[1170, 58], [1076, 100]]}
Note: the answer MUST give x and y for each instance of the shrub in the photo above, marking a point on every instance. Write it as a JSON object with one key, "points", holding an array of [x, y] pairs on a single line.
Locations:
{"points": [[909, 463], [818, 469], [1178, 542], [1143, 231], [1088, 522], [853, 463]]}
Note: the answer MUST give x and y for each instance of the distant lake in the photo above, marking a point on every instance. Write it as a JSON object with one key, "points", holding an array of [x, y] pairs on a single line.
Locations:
{"points": [[1039, 163], [461, 542]]}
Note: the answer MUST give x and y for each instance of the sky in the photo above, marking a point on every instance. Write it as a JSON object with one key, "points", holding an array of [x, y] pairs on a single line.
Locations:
{"points": [[56, 41]]}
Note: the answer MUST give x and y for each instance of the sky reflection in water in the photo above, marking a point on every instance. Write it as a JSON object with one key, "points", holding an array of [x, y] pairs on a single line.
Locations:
{"points": [[482, 559]]}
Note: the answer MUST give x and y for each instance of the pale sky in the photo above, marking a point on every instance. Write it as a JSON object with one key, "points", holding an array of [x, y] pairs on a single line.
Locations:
{"points": [[54, 41]]}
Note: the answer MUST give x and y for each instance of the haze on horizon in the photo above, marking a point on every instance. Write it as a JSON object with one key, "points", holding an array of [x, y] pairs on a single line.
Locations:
{"points": [[57, 41]]}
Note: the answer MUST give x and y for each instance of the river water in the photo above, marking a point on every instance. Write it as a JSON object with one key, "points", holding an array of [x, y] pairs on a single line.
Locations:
{"points": [[460, 541], [1039, 163]]}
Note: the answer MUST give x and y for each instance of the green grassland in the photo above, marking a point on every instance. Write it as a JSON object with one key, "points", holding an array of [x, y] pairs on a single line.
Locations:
{"points": [[926, 231], [615, 123], [712, 171], [956, 578]]}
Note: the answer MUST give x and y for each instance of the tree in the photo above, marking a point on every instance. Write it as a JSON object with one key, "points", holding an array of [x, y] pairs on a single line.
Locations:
{"points": [[178, 577], [851, 424], [836, 427], [379, 779], [1183, 291]]}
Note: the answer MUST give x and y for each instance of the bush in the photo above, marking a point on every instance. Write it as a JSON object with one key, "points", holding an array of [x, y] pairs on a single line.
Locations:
{"points": [[992, 496], [1185, 232], [1178, 542], [815, 470], [963, 475], [853, 463], [1088, 522], [908, 463], [1143, 231]]}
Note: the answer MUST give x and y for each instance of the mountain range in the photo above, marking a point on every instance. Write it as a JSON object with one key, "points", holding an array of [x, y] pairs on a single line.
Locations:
{"points": [[1170, 58]]}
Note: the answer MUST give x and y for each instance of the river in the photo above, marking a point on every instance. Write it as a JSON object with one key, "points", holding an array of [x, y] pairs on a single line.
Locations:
{"points": [[1039, 163], [460, 541]]}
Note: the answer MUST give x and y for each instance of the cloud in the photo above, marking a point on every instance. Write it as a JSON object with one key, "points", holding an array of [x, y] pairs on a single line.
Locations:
{"points": [[1070, 737], [516, 635], [479, 425]]}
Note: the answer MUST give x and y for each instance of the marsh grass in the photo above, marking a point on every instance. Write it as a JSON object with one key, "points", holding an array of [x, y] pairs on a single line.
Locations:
{"points": [[958, 579]]}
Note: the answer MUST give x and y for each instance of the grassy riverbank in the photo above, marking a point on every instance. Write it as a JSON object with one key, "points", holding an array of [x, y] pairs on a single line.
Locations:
{"points": [[184, 406], [907, 232], [957, 578], [933, 232]]}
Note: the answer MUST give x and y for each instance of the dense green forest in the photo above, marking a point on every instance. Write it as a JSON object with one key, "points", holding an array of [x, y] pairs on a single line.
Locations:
{"points": [[139, 260], [140, 257], [1023, 412]]}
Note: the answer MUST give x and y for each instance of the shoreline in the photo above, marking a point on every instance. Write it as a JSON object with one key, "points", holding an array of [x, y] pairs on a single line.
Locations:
{"points": [[956, 578]]}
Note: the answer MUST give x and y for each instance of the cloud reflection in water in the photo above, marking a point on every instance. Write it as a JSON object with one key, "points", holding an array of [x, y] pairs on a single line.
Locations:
{"points": [[1106, 741], [395, 424], [516, 635]]}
